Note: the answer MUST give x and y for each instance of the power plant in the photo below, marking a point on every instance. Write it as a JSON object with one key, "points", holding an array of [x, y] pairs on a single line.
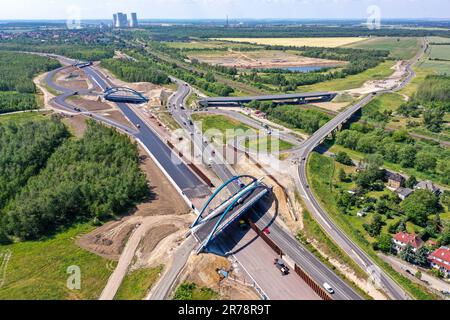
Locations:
{"points": [[120, 20]]}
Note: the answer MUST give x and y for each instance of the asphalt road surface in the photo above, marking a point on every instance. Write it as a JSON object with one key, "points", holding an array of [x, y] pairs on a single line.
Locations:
{"points": [[290, 246]]}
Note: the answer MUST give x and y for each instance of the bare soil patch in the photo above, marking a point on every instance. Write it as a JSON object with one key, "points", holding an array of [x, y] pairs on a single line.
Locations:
{"points": [[260, 59], [202, 270], [109, 240], [117, 116], [93, 104], [72, 78], [77, 125]]}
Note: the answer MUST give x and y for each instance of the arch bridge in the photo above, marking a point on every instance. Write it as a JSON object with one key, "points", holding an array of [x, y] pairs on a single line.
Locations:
{"points": [[124, 95], [208, 227]]}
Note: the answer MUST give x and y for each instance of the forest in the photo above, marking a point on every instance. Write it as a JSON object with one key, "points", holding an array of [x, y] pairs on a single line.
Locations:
{"points": [[93, 178], [16, 80], [18, 70], [131, 71]]}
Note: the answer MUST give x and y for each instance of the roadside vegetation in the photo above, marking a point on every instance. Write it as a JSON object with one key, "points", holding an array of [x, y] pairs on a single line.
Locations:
{"points": [[190, 291], [137, 284]]}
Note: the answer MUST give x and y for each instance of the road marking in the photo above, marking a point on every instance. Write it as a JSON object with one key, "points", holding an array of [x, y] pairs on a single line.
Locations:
{"points": [[359, 258]]}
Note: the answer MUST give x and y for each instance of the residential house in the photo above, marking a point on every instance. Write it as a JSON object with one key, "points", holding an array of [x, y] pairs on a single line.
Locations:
{"points": [[440, 259], [428, 185], [404, 193], [402, 239], [395, 180]]}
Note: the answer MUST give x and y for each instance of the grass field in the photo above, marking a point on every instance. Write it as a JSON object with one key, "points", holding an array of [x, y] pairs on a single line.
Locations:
{"points": [[268, 144], [382, 71], [440, 52], [400, 48], [322, 177], [388, 101], [299, 42], [438, 40], [38, 270], [23, 116], [136, 284], [190, 291], [219, 126]]}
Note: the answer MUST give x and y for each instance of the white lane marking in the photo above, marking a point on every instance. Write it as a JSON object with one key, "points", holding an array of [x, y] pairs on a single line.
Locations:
{"points": [[359, 258]]}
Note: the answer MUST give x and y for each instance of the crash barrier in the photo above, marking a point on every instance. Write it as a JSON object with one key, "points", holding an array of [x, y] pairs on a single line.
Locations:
{"points": [[266, 238], [309, 281], [312, 284]]}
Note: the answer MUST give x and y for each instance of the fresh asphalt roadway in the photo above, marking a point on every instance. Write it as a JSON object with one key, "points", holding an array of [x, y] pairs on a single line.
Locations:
{"points": [[185, 179], [290, 246]]}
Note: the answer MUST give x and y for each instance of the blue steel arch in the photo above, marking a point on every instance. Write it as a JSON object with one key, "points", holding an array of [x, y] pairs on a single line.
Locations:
{"points": [[230, 207], [110, 91], [214, 195]]}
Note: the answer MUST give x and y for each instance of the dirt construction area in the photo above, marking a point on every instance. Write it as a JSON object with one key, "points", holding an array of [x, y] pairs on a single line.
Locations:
{"points": [[260, 59], [165, 208], [203, 271], [72, 78]]}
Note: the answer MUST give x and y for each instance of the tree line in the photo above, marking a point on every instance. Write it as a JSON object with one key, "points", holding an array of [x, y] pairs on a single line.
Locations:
{"points": [[136, 71]]}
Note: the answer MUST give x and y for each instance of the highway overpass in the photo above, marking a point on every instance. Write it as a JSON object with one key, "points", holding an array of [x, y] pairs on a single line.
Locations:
{"points": [[294, 98], [207, 228], [124, 95]]}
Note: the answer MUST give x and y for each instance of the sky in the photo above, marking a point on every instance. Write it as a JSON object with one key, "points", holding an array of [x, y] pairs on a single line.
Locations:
{"points": [[218, 9]]}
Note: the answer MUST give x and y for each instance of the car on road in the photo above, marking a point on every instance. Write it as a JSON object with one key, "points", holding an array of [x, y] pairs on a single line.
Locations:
{"points": [[138, 125], [281, 266], [266, 231], [329, 289]]}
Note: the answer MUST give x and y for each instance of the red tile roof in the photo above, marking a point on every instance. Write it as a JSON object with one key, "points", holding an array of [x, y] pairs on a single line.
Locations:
{"points": [[407, 238], [442, 253]]}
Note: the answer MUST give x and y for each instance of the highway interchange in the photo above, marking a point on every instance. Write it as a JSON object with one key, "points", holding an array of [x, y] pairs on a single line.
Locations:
{"points": [[192, 187]]}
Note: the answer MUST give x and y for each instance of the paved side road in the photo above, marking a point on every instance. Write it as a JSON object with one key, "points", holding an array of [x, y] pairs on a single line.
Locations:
{"points": [[164, 287]]}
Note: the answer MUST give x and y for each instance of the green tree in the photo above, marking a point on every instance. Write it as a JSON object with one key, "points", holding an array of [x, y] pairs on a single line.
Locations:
{"points": [[344, 158], [421, 257], [342, 175], [411, 182], [407, 254], [420, 205], [374, 228], [385, 243], [425, 161]]}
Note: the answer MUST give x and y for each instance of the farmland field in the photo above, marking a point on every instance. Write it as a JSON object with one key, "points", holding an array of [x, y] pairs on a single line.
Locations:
{"points": [[441, 52], [299, 42], [259, 59], [211, 45], [400, 48]]}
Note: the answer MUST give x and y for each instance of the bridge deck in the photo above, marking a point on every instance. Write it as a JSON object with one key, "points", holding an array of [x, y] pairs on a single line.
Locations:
{"points": [[320, 96], [206, 228]]}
